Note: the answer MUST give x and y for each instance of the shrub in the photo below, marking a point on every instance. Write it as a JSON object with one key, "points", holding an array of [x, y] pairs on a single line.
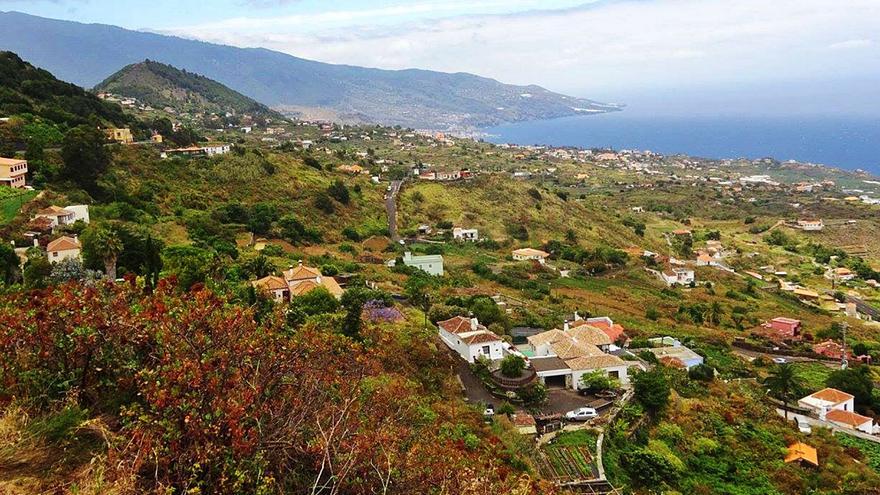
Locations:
{"points": [[652, 389], [512, 366], [597, 381], [702, 372]]}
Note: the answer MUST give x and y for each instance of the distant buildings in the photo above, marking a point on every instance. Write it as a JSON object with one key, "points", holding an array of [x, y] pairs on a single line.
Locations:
{"points": [[811, 225], [432, 263], [13, 172], [296, 281], [122, 136], [460, 234], [211, 149], [785, 327], [675, 354]]}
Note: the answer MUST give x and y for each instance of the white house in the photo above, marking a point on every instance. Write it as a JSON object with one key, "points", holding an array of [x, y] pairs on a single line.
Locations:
{"points": [[851, 420], [677, 276], [460, 234], [811, 225], [470, 339], [64, 216], [63, 248], [525, 254], [217, 149], [827, 399], [840, 274], [432, 263]]}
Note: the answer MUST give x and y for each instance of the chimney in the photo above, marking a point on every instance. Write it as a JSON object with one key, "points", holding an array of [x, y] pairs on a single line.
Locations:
{"points": [[474, 323], [300, 262], [565, 325], [577, 317], [36, 242]]}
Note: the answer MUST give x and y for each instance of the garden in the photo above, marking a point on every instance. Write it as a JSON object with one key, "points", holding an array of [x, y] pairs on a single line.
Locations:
{"points": [[569, 458]]}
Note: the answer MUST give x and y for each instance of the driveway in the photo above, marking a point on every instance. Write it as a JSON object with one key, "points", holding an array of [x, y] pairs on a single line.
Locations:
{"points": [[473, 386], [825, 424], [391, 209]]}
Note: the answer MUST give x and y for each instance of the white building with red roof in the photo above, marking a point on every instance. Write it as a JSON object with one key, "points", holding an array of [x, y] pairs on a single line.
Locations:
{"points": [[64, 248], [826, 400], [470, 339]]}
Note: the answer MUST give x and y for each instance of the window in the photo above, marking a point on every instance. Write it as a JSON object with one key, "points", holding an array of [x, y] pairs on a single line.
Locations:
{"points": [[486, 350]]}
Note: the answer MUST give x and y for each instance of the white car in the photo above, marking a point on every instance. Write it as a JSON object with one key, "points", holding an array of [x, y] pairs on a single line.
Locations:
{"points": [[489, 411], [581, 414], [779, 360]]}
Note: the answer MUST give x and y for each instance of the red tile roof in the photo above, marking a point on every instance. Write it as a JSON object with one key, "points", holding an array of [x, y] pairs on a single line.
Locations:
{"points": [[846, 417]]}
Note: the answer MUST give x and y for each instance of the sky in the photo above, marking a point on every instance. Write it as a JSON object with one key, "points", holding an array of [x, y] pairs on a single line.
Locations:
{"points": [[713, 56]]}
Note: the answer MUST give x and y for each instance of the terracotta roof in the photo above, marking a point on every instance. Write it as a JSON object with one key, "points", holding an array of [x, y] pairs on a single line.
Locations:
{"points": [[523, 419], [303, 287], [480, 337], [302, 272], [54, 211], [846, 417], [614, 331], [588, 334], [569, 349], [270, 283], [456, 325], [802, 452], [831, 395], [63, 244], [332, 286], [547, 337], [594, 362]]}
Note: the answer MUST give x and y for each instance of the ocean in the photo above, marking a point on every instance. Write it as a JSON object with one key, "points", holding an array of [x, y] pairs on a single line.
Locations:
{"points": [[844, 142]]}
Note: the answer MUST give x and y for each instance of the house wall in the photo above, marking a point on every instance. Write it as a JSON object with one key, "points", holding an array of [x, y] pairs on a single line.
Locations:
{"points": [[622, 375], [56, 256], [496, 351]]}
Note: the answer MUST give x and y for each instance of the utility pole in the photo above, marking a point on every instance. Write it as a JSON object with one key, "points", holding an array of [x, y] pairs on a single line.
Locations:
{"points": [[843, 360]]}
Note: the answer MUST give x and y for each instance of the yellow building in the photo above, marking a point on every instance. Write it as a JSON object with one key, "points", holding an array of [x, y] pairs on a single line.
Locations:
{"points": [[12, 172], [156, 138], [120, 135]]}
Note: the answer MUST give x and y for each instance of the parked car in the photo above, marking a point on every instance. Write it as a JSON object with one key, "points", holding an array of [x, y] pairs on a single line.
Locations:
{"points": [[779, 360], [489, 411], [803, 425], [581, 414]]}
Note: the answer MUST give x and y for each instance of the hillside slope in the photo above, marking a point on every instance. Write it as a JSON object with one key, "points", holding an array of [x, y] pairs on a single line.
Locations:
{"points": [[87, 53], [161, 85], [25, 89]]}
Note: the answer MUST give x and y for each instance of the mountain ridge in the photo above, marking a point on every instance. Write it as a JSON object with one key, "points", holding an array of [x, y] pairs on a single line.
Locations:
{"points": [[410, 97], [162, 85]]}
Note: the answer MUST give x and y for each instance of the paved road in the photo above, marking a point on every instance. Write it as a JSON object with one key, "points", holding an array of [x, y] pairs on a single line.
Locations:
{"points": [[391, 209], [788, 359], [831, 426]]}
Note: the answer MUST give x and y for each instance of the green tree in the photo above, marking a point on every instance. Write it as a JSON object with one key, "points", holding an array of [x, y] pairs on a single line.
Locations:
{"points": [[316, 302], [784, 384], [85, 157], [108, 246], [37, 269], [339, 192], [9, 265], [151, 263], [652, 389], [713, 313], [512, 366], [598, 381], [702, 372], [855, 381]]}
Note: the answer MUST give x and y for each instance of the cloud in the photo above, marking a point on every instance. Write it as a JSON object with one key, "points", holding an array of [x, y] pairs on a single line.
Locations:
{"points": [[597, 46], [851, 44]]}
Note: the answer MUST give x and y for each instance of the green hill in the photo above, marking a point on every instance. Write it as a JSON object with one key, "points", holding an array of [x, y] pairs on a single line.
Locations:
{"points": [[161, 85], [25, 89]]}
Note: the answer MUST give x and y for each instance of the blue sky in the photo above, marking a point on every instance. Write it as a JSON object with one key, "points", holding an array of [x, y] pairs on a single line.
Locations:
{"points": [[775, 56]]}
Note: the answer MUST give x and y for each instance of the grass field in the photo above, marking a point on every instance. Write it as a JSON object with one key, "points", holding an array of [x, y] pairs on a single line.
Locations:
{"points": [[871, 450], [10, 203]]}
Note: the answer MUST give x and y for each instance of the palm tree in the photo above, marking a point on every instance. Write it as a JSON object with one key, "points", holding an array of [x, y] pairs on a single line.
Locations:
{"points": [[784, 384], [713, 313], [108, 246]]}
